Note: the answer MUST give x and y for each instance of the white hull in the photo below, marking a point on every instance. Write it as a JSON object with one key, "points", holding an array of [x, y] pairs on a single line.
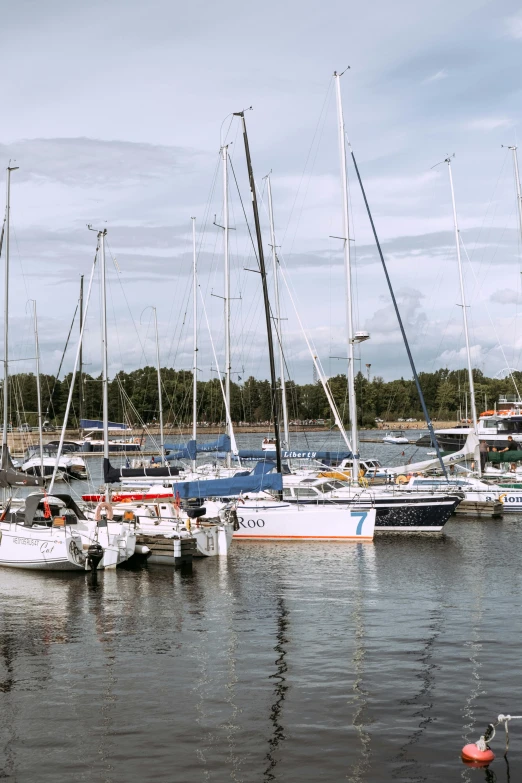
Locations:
{"points": [[42, 549], [259, 521]]}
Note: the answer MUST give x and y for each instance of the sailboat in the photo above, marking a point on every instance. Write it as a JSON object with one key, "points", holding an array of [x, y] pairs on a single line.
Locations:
{"points": [[40, 532]]}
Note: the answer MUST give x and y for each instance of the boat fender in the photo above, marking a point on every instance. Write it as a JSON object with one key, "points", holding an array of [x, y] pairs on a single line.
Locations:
{"points": [[103, 506], [194, 513]]}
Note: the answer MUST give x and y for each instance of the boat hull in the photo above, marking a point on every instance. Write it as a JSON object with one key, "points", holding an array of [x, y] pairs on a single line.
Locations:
{"points": [[403, 515], [40, 550], [288, 522]]}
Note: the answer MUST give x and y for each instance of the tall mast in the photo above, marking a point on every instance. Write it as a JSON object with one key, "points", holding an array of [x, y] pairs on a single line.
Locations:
{"points": [[517, 185], [224, 152], [195, 338], [160, 396], [105, 362], [463, 304], [279, 331], [352, 405], [76, 362], [266, 300], [38, 391], [6, 305], [80, 370]]}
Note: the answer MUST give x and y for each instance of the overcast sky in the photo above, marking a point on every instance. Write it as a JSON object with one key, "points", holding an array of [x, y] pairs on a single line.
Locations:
{"points": [[114, 112]]}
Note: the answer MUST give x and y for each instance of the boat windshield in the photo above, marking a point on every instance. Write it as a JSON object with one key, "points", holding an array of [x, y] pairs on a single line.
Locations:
{"points": [[329, 486]]}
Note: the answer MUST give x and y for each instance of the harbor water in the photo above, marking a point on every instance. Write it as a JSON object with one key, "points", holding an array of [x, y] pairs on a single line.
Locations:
{"points": [[284, 662]]}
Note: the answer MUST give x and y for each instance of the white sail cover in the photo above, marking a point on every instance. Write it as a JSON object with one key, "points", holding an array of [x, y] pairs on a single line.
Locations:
{"points": [[470, 450]]}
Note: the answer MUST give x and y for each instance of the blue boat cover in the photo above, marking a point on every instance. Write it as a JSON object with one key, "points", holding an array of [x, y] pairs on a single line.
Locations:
{"points": [[261, 468], [221, 444], [183, 451], [229, 487], [96, 424], [294, 454]]}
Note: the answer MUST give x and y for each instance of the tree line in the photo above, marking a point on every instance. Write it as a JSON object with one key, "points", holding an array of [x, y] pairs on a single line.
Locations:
{"points": [[133, 397]]}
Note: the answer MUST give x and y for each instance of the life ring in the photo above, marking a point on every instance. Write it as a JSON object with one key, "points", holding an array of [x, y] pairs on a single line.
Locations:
{"points": [[100, 507]]}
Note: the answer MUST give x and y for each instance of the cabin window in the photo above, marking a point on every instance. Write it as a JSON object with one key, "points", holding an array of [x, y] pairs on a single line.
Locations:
{"points": [[307, 492]]}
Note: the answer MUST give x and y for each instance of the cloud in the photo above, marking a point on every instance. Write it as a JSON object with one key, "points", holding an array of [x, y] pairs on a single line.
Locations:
{"points": [[383, 325], [458, 357], [436, 77], [506, 296], [513, 26], [94, 162], [490, 123]]}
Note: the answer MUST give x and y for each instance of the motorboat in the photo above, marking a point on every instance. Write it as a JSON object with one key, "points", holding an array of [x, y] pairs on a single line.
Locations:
{"points": [[472, 489], [69, 465], [36, 463], [396, 437], [493, 426]]}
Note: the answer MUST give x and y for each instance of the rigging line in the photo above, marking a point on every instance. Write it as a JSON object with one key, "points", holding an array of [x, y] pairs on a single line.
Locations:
{"points": [[244, 212], [492, 322], [319, 119], [13, 230], [491, 201], [50, 403], [202, 233], [227, 410], [399, 319], [118, 278]]}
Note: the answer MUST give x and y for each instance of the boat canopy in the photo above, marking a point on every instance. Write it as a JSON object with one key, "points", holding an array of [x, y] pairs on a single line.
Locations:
{"points": [[96, 424], [504, 456], [229, 487], [180, 451], [221, 444], [112, 475], [10, 477], [266, 454]]}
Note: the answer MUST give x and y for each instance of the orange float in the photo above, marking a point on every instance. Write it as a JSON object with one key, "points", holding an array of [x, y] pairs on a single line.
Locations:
{"points": [[480, 757]]}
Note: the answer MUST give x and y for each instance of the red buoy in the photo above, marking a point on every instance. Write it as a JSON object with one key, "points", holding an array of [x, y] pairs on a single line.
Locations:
{"points": [[472, 753]]}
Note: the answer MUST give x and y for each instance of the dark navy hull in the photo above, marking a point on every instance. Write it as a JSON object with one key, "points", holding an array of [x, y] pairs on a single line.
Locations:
{"points": [[415, 514]]}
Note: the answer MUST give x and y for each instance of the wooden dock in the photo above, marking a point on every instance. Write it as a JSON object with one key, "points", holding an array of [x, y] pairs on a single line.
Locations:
{"points": [[479, 508]]}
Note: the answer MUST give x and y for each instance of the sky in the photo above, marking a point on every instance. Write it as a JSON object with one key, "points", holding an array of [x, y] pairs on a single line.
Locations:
{"points": [[115, 113]]}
